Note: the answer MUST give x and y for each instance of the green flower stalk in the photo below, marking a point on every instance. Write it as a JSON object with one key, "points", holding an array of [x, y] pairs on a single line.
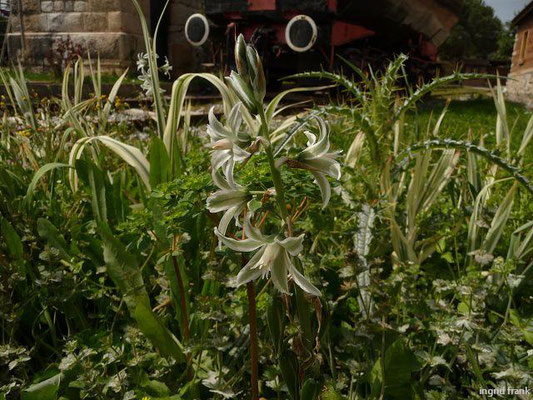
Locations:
{"points": [[273, 255]]}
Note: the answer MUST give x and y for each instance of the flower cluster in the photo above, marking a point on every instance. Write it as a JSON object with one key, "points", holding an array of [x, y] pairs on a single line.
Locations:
{"points": [[146, 73], [317, 158], [231, 142]]}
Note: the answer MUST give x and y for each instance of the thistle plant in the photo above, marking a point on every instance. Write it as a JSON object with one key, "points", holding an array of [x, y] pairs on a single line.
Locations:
{"points": [[233, 144]]}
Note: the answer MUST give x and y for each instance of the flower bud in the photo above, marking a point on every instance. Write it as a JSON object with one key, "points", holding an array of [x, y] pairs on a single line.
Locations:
{"points": [[240, 57], [243, 91], [259, 83]]}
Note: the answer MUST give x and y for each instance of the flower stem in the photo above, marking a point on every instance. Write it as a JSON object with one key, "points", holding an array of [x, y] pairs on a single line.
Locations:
{"points": [[276, 175], [254, 350]]}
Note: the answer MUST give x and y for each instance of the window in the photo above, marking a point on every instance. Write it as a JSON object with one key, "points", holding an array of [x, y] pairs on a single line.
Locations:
{"points": [[523, 45]]}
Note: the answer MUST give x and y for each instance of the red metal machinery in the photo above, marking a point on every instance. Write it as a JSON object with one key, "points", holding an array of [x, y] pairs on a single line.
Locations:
{"points": [[294, 35]]}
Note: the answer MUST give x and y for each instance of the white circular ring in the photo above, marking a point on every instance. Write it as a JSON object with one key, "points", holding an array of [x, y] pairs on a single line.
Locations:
{"points": [[311, 22], [206, 33]]}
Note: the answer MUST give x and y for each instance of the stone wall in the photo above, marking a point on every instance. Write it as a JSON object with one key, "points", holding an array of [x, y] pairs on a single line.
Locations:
{"points": [[520, 85], [110, 28]]}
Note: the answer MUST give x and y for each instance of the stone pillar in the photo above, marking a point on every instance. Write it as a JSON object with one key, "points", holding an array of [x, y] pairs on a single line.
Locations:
{"points": [[110, 28]]}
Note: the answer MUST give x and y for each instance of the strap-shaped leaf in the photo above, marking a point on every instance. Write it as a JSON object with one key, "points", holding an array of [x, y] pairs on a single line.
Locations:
{"points": [[132, 155], [125, 271], [37, 177], [499, 221], [179, 91]]}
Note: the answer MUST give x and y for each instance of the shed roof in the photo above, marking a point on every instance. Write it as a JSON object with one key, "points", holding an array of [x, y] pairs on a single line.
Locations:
{"points": [[522, 14]]}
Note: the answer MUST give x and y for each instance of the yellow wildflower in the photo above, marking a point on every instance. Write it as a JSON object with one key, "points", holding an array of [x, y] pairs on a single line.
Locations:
{"points": [[25, 132]]}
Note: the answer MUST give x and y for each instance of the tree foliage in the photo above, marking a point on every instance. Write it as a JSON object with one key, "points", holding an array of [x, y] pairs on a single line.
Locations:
{"points": [[479, 33]]}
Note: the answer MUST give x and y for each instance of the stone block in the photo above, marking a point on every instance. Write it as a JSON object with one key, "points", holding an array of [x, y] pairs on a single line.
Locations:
{"points": [[65, 22], [37, 47], [29, 6], [95, 22], [47, 6], [69, 5], [120, 21], [103, 5], [80, 5], [115, 21], [59, 5], [15, 23], [33, 23]]}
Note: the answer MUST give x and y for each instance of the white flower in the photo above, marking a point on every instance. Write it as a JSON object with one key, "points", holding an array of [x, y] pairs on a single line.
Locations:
{"points": [[166, 67], [226, 142], [231, 198], [146, 73], [274, 256], [317, 159], [142, 62]]}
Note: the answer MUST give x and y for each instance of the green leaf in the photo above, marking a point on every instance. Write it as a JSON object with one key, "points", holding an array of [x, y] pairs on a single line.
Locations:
{"points": [[45, 390], [152, 327], [94, 178], [276, 323], [48, 231], [159, 162], [12, 239], [499, 221], [399, 363], [331, 394], [38, 175], [130, 154], [526, 327], [155, 388], [124, 269], [288, 364], [311, 389]]}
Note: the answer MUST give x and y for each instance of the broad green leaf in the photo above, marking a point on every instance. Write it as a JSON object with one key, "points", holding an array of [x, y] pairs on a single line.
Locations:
{"points": [[12, 239], [152, 327], [276, 323], [49, 232], [179, 91], [124, 269], [311, 389], [159, 163], [45, 390], [274, 103], [330, 393], [288, 364], [399, 363], [525, 326]]}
